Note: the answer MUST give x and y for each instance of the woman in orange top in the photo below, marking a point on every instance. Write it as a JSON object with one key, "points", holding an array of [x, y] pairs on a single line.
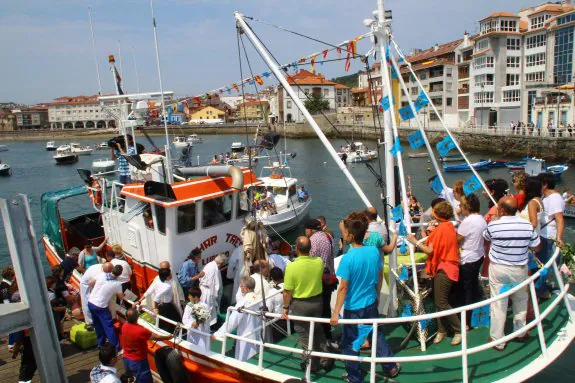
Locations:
{"points": [[443, 265]]}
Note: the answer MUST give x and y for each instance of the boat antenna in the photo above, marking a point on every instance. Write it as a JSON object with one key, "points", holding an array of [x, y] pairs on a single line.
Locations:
{"points": [[94, 51], [136, 68], [161, 86]]}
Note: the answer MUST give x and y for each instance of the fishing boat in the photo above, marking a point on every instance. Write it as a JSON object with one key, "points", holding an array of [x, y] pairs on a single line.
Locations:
{"points": [[498, 163], [516, 165], [418, 155], [535, 166], [102, 146], [194, 138], [237, 147], [181, 142], [289, 210], [51, 146], [5, 170], [357, 152], [481, 165], [205, 207], [3, 148], [65, 156], [451, 158], [80, 150], [557, 170], [103, 165]]}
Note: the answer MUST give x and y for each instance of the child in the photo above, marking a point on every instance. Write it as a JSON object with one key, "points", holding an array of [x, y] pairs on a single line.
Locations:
{"points": [[443, 265], [190, 320]]}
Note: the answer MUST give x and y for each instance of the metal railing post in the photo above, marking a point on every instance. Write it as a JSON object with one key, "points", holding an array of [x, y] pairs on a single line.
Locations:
{"points": [[540, 332], [464, 346], [562, 286], [262, 348], [310, 349], [224, 339], [373, 352]]}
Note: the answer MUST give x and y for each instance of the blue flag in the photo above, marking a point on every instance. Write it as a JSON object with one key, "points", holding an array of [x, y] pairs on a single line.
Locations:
{"points": [[406, 310], [251, 82], [400, 60], [397, 213], [363, 331], [393, 73], [421, 101], [387, 55], [266, 74], [396, 149], [445, 145], [416, 140], [471, 185], [480, 317], [385, 103], [506, 287], [403, 275], [402, 231], [180, 107], [406, 113], [424, 323], [403, 247], [436, 185], [542, 278]]}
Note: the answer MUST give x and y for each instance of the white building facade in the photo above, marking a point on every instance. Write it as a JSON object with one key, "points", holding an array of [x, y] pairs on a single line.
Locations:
{"points": [[79, 112]]}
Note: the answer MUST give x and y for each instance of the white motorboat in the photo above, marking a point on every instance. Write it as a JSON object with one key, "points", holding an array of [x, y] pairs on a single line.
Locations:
{"points": [[237, 147], [181, 142], [194, 138], [103, 165], [80, 149], [5, 170], [290, 210], [64, 155], [51, 146], [357, 152], [3, 148], [102, 146]]}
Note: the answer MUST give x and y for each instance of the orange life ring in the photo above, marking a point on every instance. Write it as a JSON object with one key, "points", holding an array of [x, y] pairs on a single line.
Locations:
{"points": [[276, 176], [95, 193]]}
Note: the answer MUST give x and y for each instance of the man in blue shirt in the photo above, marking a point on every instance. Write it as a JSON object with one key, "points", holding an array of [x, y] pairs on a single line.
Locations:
{"points": [[189, 273], [123, 166], [302, 194], [361, 273]]}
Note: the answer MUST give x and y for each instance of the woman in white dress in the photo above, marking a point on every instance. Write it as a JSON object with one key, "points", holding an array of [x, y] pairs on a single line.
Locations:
{"points": [[190, 320]]}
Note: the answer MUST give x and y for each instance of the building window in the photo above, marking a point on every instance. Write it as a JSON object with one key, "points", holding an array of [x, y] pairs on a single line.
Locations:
{"points": [[511, 96], [535, 77], [422, 76], [512, 79], [483, 97], [566, 19], [484, 79], [481, 45], [339, 91], [513, 62], [483, 62], [513, 44], [535, 41], [531, 96], [414, 91], [288, 104], [448, 101], [534, 60], [306, 91], [448, 72], [508, 25], [563, 66], [537, 22], [326, 92]]}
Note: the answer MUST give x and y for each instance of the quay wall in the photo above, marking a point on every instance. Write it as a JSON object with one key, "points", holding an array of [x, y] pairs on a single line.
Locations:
{"points": [[500, 142]]}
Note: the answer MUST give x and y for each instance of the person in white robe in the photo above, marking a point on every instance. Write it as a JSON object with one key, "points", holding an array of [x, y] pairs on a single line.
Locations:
{"points": [[260, 274], [244, 323], [212, 287], [236, 271], [189, 320], [177, 291]]}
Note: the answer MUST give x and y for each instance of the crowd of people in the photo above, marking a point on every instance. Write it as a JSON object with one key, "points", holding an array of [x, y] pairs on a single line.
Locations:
{"points": [[530, 129]]}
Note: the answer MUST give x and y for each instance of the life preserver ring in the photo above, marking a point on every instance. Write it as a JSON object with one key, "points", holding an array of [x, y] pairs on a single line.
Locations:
{"points": [[95, 193], [276, 176]]}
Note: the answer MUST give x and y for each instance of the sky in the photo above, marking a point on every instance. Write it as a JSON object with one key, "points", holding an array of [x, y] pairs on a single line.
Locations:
{"points": [[47, 46]]}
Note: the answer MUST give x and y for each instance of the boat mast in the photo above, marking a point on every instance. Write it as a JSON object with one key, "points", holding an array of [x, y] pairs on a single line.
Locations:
{"points": [[295, 98], [169, 170], [94, 51], [120, 58], [136, 68]]}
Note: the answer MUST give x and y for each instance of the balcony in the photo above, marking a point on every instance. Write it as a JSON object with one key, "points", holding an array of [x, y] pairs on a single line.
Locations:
{"points": [[463, 90], [435, 74]]}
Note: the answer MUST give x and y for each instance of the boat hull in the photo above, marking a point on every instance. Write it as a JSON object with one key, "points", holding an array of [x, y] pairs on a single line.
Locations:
{"points": [[66, 160], [286, 220], [484, 165], [6, 171], [50, 149]]}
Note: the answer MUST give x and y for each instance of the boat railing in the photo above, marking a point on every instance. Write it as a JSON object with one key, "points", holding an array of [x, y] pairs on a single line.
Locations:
{"points": [[461, 311]]}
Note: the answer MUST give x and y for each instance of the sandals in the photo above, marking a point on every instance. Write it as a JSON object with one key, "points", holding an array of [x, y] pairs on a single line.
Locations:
{"points": [[439, 337], [456, 340]]}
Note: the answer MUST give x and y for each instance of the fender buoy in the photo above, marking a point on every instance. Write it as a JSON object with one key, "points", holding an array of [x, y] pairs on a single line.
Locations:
{"points": [[169, 365], [95, 193]]}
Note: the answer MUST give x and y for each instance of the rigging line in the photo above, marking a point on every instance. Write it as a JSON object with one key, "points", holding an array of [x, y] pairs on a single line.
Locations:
{"points": [[376, 121], [299, 89], [299, 34], [326, 61]]}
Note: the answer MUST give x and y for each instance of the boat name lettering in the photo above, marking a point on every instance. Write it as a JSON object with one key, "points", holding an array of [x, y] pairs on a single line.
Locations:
{"points": [[208, 242], [233, 239]]}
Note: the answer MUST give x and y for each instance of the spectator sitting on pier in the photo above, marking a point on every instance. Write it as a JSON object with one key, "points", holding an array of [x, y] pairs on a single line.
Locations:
{"points": [[105, 372]]}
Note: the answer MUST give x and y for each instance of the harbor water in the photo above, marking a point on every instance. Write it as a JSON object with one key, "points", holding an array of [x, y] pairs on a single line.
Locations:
{"points": [[35, 172]]}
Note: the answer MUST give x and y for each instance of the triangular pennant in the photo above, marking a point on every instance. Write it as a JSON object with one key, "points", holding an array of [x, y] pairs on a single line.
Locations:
{"points": [[396, 149], [325, 53], [363, 331], [266, 74], [421, 101], [385, 103], [480, 317]]}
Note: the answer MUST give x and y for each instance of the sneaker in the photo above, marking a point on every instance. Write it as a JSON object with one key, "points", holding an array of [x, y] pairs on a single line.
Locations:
{"points": [[456, 340], [499, 347], [393, 372], [439, 337]]}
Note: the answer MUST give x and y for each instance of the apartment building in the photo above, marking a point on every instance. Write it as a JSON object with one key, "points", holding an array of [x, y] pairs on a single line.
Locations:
{"points": [[78, 112], [31, 118], [463, 57], [252, 111]]}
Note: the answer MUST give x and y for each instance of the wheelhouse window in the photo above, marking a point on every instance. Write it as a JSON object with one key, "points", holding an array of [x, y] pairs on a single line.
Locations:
{"points": [[160, 218], [186, 218], [244, 199], [216, 211]]}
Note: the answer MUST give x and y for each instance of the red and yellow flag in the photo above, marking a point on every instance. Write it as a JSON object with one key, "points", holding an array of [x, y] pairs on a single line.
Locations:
{"points": [[235, 86]]}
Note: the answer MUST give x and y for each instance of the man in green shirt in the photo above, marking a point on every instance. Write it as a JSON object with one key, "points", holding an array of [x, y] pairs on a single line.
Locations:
{"points": [[303, 291]]}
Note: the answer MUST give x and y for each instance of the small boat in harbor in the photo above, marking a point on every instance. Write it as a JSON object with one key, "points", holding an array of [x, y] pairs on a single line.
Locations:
{"points": [[102, 146], [515, 165], [5, 170], [3, 148], [535, 166], [64, 155], [237, 147], [418, 155], [194, 138], [452, 158], [357, 152], [51, 146], [181, 142], [557, 170], [81, 150], [499, 163], [103, 165], [481, 165]]}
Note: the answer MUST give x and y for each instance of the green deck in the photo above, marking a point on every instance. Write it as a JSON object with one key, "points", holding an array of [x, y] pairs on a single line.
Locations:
{"points": [[485, 366]]}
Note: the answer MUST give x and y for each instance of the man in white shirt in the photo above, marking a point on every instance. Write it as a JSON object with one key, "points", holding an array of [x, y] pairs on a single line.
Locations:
{"points": [[105, 287], [120, 259], [244, 322], [86, 283], [212, 287], [276, 259], [270, 201], [511, 239]]}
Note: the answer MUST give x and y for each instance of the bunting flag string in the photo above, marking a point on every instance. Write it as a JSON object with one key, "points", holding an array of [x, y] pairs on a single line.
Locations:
{"points": [[480, 317], [385, 103], [471, 185], [402, 230], [445, 145], [397, 213], [396, 149], [312, 62], [416, 140], [406, 113], [436, 185], [325, 53], [421, 101]]}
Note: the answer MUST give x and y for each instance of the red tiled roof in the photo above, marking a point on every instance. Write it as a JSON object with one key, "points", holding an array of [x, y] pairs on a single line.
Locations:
{"points": [[501, 14], [555, 8], [254, 103], [76, 100], [305, 77], [430, 53]]}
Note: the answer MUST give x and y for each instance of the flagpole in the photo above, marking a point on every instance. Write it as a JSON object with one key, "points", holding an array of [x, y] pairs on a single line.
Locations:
{"points": [[136, 68], [94, 51], [169, 175]]}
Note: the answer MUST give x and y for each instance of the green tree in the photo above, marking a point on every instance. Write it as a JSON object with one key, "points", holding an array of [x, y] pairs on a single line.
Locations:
{"points": [[316, 103]]}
